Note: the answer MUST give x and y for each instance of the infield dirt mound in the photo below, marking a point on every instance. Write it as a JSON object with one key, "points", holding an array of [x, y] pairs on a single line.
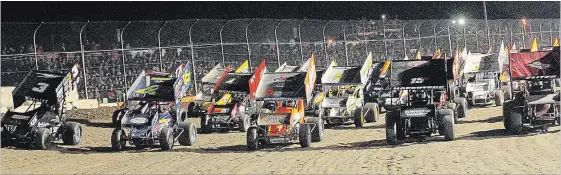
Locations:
{"points": [[482, 146]]}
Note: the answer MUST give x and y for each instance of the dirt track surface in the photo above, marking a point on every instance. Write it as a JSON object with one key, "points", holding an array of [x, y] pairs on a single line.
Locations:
{"points": [[481, 147]]}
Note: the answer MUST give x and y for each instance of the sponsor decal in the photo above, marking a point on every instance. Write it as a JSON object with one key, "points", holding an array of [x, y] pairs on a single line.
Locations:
{"points": [[139, 120], [338, 76], [21, 117], [539, 65], [416, 63], [417, 112], [280, 79]]}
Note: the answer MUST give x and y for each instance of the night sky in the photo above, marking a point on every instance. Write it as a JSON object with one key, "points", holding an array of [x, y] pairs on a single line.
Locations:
{"points": [[101, 11]]}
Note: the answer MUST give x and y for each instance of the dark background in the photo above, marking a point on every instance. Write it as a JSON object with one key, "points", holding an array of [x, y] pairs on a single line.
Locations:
{"points": [[99, 11]]}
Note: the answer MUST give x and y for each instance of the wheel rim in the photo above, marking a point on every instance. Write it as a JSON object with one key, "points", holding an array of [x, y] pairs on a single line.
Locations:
{"points": [[122, 141], [78, 135], [193, 133], [170, 139], [49, 142]]}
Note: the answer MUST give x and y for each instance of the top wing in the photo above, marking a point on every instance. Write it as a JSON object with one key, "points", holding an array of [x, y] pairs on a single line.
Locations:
{"points": [[535, 64], [45, 85], [418, 74], [476, 62], [287, 85]]}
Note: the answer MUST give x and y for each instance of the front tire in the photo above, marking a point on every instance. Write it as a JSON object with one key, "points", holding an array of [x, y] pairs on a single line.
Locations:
{"points": [[72, 134], [358, 118], [317, 132], [499, 98], [206, 127], [118, 140], [251, 139], [44, 139], [166, 139], [448, 126], [392, 127], [512, 118], [371, 112], [305, 135], [462, 106], [189, 135], [244, 123], [117, 116]]}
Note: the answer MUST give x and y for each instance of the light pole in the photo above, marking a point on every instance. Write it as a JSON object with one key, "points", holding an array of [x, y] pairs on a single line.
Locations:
{"points": [[462, 21]]}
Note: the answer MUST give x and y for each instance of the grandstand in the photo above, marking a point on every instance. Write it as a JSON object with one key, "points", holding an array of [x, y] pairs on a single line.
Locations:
{"points": [[114, 52]]}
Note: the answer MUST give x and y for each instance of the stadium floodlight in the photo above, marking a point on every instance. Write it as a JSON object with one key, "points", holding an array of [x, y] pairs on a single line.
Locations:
{"points": [[384, 16], [453, 21], [461, 21], [523, 21]]}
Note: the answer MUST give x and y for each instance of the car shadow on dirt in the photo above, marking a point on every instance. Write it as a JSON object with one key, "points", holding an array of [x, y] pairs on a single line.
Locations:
{"points": [[502, 133], [353, 127], [93, 124], [488, 120]]}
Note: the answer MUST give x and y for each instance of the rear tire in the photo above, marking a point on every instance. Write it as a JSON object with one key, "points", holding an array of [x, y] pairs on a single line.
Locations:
{"points": [[499, 98], [371, 112], [118, 140], [462, 106], [244, 123], [72, 134], [44, 139], [305, 135], [251, 139], [358, 118], [189, 135], [166, 139]]}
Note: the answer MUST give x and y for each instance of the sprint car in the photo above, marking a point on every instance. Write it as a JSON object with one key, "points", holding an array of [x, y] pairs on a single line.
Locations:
{"points": [[155, 120], [282, 119], [39, 118], [427, 110], [535, 102]]}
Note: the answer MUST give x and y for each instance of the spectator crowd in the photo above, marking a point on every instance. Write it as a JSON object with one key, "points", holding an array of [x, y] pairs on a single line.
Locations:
{"points": [[110, 70]]}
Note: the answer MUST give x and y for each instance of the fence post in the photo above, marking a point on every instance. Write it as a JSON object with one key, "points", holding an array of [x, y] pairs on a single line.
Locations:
{"points": [[84, 62], [434, 31], [35, 45], [277, 42], [366, 42], [541, 35], [325, 43], [419, 32], [512, 33], [193, 55], [247, 42], [123, 51], [550, 32], [222, 42], [384, 32], [450, 40], [345, 42], [403, 36], [477, 38], [160, 45], [300, 37]]}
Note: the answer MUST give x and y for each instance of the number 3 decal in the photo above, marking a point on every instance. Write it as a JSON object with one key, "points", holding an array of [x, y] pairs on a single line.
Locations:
{"points": [[41, 87]]}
